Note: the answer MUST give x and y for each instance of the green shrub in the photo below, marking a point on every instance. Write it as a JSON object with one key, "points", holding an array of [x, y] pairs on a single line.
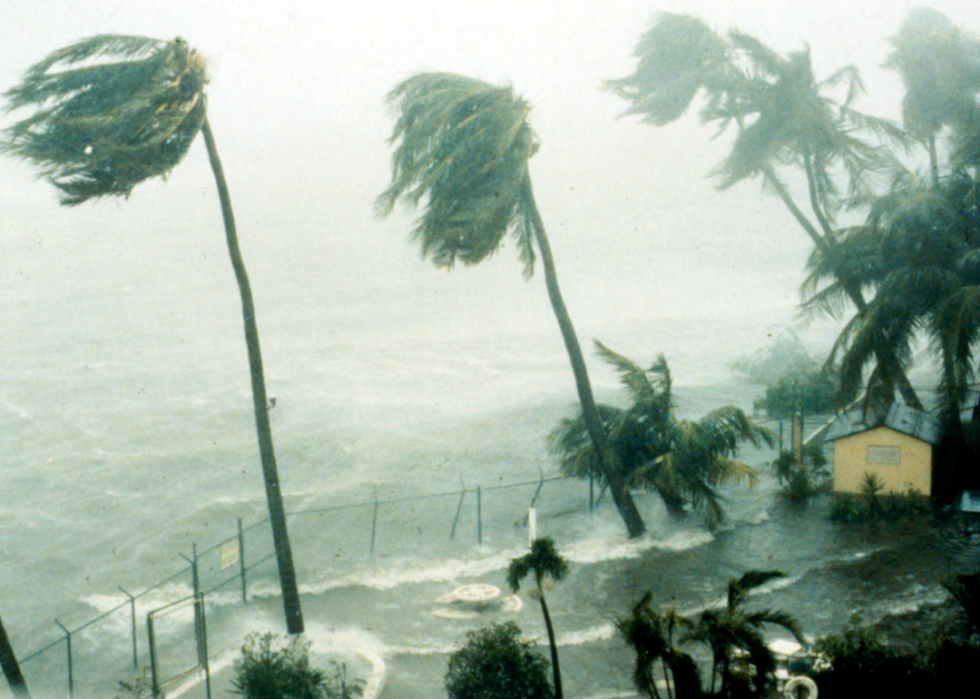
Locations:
{"points": [[269, 669], [801, 481], [862, 665], [873, 504], [496, 664]]}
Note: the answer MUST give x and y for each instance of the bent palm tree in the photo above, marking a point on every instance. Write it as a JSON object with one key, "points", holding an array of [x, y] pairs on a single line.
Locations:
{"points": [[782, 114], [543, 561], [682, 460], [110, 112], [733, 627], [464, 147]]}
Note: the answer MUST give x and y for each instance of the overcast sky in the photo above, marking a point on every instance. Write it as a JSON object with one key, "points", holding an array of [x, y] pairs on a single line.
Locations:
{"points": [[296, 102]]}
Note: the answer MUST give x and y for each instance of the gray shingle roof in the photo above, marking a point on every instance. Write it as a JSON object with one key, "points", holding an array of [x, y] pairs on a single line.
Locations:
{"points": [[899, 417]]}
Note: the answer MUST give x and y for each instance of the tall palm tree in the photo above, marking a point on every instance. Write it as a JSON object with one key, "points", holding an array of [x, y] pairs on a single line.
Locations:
{"points": [[782, 115], [733, 627], [111, 111], [11, 668], [543, 561], [651, 635], [464, 147], [681, 460]]}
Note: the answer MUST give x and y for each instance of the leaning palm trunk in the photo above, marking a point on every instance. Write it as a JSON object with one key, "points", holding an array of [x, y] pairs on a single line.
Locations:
{"points": [[552, 644], [270, 472], [11, 668], [112, 111], [617, 484]]}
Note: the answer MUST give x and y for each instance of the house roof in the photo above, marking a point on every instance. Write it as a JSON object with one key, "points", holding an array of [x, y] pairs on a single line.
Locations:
{"points": [[898, 417]]}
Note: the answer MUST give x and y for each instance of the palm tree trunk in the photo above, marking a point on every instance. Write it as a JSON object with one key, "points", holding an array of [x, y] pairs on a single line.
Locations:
{"points": [[815, 204], [617, 484], [10, 667], [725, 669], [552, 643], [852, 290], [933, 160], [277, 513]]}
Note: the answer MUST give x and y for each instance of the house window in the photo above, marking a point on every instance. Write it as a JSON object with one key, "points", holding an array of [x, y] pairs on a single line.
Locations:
{"points": [[891, 456]]}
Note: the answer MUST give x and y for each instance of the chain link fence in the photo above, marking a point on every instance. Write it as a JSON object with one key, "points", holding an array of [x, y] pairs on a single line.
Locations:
{"points": [[88, 660]]}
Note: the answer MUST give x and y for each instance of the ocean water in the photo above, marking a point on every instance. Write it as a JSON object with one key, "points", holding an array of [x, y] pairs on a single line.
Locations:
{"points": [[127, 436]]}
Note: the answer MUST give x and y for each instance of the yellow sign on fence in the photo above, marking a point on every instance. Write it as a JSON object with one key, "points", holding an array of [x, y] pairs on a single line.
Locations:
{"points": [[229, 554]]}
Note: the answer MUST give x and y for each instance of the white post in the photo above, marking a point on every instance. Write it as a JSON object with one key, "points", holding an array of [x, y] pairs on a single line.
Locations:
{"points": [[532, 525]]}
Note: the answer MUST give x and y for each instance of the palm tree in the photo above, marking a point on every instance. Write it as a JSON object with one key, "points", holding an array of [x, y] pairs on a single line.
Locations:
{"points": [[464, 147], [651, 636], [940, 67], [681, 460], [111, 111], [11, 668], [782, 114], [912, 253], [543, 561], [733, 627]]}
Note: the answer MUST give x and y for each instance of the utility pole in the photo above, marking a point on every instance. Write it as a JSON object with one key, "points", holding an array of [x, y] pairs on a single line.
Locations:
{"points": [[11, 668]]}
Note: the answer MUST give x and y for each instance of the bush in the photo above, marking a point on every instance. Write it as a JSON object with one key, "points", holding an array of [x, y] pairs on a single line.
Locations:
{"points": [[496, 664], [862, 665], [873, 505], [270, 670], [800, 481]]}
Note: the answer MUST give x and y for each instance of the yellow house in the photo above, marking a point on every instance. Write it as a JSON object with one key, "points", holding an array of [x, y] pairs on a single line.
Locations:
{"points": [[895, 445]]}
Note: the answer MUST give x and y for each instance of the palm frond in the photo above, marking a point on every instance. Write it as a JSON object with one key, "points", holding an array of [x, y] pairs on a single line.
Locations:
{"points": [[464, 146], [543, 560], [678, 56], [101, 128], [630, 374]]}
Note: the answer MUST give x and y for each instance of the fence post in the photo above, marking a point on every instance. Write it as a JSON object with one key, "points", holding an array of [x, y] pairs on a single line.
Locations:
{"points": [[153, 657], [203, 644], [459, 508], [132, 615], [374, 521], [479, 515], [241, 558], [591, 493], [71, 674], [195, 581]]}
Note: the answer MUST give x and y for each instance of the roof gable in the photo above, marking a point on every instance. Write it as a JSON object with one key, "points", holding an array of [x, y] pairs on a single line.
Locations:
{"points": [[898, 417]]}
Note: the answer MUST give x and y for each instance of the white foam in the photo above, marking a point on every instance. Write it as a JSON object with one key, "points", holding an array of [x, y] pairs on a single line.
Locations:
{"points": [[596, 550], [602, 632], [409, 572]]}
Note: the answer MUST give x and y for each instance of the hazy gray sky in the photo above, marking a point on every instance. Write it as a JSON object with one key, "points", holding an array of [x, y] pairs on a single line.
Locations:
{"points": [[296, 103]]}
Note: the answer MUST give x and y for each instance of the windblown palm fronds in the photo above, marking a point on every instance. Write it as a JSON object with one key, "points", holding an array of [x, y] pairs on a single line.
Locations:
{"points": [[733, 627], [683, 461], [110, 112], [464, 147]]}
